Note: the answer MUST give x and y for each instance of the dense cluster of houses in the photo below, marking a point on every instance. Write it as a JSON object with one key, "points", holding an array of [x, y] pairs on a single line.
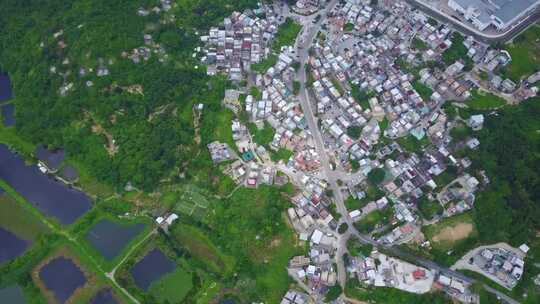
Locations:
{"points": [[243, 40], [357, 84]]}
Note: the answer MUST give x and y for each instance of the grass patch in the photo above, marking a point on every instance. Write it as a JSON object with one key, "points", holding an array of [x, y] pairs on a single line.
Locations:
{"points": [[222, 130], [172, 287], [484, 101], [264, 65], [429, 209], [441, 236], [383, 125], [457, 51], [374, 219], [413, 145], [348, 27], [18, 220], [356, 248], [89, 183], [262, 136], [208, 292], [337, 85], [419, 44], [286, 34], [202, 248], [424, 91], [296, 87], [525, 52], [9, 137], [281, 154], [372, 194]]}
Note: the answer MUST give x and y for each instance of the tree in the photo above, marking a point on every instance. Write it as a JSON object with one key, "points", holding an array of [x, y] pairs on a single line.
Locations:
{"points": [[354, 132], [343, 228], [376, 176], [333, 293]]}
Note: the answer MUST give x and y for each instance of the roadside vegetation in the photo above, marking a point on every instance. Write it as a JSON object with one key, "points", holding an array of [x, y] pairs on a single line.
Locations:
{"points": [[286, 34], [525, 52], [457, 51], [481, 100]]}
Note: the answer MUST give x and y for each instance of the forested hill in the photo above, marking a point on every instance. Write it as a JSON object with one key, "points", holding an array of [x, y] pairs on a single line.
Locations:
{"points": [[134, 122], [510, 153]]}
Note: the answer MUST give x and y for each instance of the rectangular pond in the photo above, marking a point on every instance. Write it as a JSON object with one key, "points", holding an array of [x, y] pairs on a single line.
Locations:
{"points": [[104, 296], [62, 277], [11, 246], [50, 197], [12, 295], [151, 268], [6, 92], [110, 238]]}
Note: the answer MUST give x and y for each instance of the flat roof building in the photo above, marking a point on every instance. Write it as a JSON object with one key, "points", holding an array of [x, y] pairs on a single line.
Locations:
{"points": [[499, 13]]}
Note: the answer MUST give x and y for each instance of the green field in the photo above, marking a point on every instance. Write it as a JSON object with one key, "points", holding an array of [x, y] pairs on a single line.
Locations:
{"points": [[525, 52], [18, 220], [411, 144], [424, 91], [10, 138], [448, 224], [484, 101], [202, 248], [264, 65], [262, 136], [172, 287], [208, 292], [281, 154], [372, 220], [286, 34], [190, 201]]}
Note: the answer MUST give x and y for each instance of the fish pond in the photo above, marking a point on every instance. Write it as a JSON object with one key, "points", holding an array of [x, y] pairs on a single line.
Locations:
{"points": [[11, 246], [110, 238], [104, 296], [6, 92], [12, 295], [50, 197], [151, 268], [8, 115], [62, 277]]}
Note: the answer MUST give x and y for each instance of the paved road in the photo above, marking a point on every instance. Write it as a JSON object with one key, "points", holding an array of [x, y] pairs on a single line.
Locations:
{"points": [[303, 44], [500, 38]]}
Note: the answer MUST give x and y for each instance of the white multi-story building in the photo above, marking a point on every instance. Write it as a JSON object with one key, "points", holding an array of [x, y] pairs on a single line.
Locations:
{"points": [[499, 13]]}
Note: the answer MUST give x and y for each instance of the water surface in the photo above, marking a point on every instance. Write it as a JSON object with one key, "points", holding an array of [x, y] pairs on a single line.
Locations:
{"points": [[51, 197], [104, 297], [12, 295], [11, 246], [8, 115], [6, 92], [151, 268], [62, 277], [110, 238]]}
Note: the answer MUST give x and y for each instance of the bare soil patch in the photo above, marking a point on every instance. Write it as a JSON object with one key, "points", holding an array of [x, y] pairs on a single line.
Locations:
{"points": [[454, 233]]}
